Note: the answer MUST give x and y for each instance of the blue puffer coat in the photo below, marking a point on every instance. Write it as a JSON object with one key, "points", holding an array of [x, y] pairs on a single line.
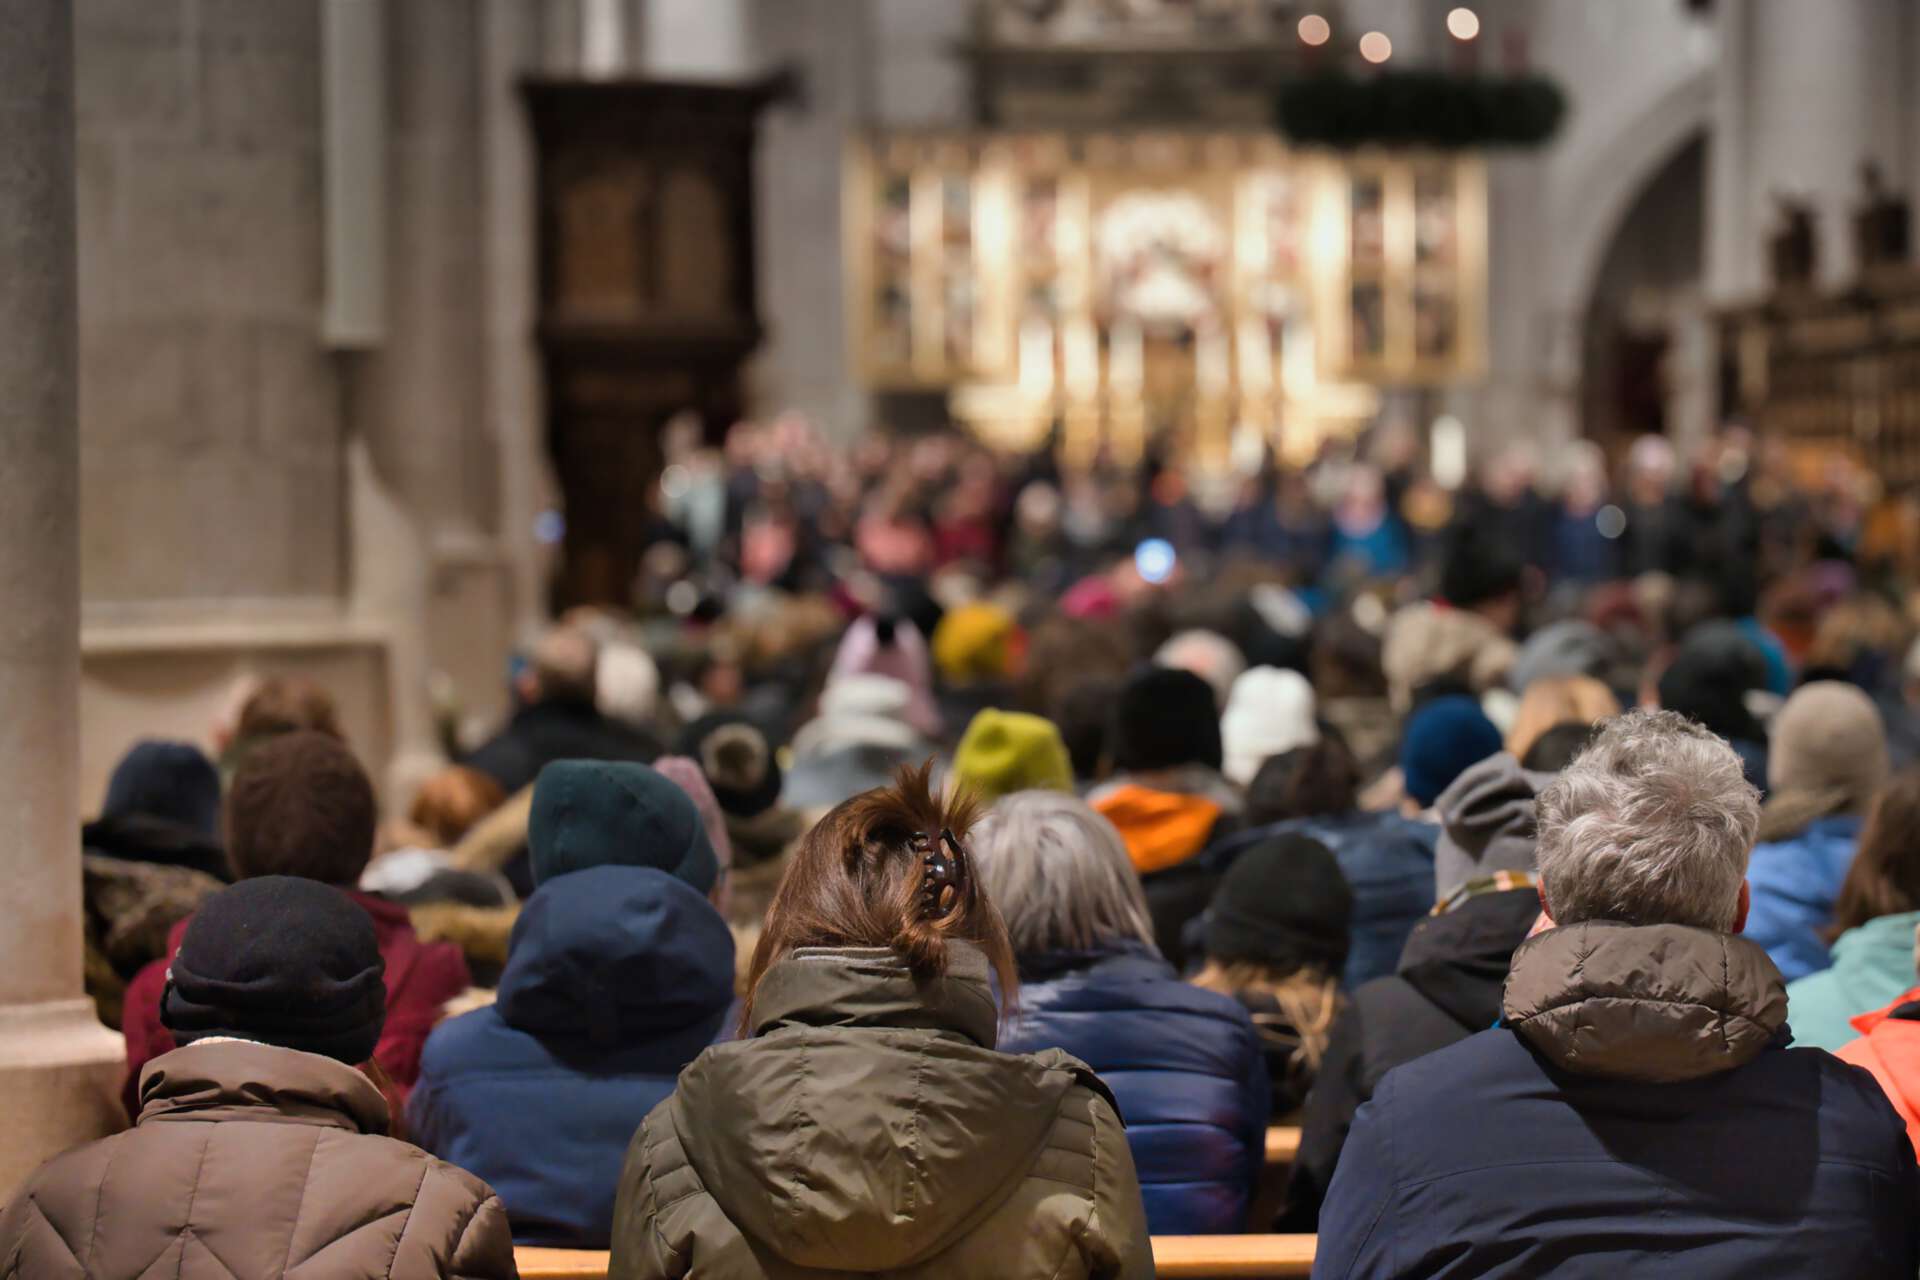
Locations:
{"points": [[1184, 1065], [1388, 863], [1795, 882], [617, 977]]}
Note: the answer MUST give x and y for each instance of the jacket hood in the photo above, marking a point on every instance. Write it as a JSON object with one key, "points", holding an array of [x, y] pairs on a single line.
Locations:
{"points": [[614, 953], [1654, 1003], [1459, 961], [240, 1080], [1487, 822], [1161, 829], [143, 837], [869, 1124], [1865, 956]]}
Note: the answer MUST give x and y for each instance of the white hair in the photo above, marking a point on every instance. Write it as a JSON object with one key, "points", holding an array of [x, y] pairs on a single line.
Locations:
{"points": [[1059, 873], [1651, 824]]}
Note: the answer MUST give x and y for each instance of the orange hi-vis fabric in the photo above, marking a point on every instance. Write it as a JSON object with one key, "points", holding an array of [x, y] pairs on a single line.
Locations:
{"points": [[1161, 828]]}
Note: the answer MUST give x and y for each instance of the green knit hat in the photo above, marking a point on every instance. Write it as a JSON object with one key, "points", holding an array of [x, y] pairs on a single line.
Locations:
{"points": [[1007, 751]]}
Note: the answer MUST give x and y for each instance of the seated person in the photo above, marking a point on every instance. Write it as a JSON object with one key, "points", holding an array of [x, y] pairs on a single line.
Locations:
{"points": [[261, 1148], [1275, 939], [301, 805], [1638, 1111], [1184, 1064], [556, 717], [619, 973], [867, 1124], [1169, 800]]}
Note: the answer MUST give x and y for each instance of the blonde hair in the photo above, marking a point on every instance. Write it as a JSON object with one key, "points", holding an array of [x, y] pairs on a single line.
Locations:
{"points": [[1555, 701], [1308, 998]]}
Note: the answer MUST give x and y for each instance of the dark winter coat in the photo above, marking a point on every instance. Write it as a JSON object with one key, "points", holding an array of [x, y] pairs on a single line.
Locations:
{"points": [[616, 979], [1638, 1114], [1184, 1064], [1448, 988], [538, 735], [869, 1127], [258, 1162]]}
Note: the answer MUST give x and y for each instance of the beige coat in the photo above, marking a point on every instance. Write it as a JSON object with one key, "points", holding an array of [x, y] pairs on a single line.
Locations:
{"points": [[255, 1162]]}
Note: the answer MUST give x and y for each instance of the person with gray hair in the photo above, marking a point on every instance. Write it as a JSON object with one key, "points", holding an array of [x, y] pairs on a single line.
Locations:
{"points": [[1637, 1110], [1184, 1064]]}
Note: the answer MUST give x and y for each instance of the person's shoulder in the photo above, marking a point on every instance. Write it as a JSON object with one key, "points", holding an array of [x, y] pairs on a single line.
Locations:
{"points": [[476, 1041], [1467, 1068]]}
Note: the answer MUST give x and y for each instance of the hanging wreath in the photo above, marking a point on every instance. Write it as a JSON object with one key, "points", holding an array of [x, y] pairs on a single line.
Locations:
{"points": [[1421, 109]]}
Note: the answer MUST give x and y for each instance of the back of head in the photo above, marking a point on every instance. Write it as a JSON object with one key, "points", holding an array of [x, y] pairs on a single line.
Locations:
{"points": [[973, 643], [860, 879], [1321, 780], [1442, 739], [564, 666], [449, 803], [737, 760], [173, 781], [598, 813], [1573, 647], [1270, 711], [301, 805], [1479, 572], [1207, 654], [1059, 874], [288, 704], [685, 774], [1165, 719], [279, 960], [1653, 824], [1829, 745], [1007, 751], [1558, 747], [626, 684], [1283, 906], [1558, 700], [1884, 877], [1710, 677], [1084, 714]]}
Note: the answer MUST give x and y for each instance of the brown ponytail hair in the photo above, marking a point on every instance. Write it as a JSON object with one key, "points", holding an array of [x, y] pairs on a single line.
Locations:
{"points": [[857, 881]]}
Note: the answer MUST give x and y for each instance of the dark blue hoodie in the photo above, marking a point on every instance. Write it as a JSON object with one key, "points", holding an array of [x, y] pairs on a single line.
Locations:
{"points": [[617, 977]]}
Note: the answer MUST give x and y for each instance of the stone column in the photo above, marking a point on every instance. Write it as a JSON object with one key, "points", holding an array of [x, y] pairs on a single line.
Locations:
{"points": [[59, 1068]]}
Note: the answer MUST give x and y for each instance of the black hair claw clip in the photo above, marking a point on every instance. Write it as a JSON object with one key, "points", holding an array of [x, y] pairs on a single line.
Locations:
{"points": [[945, 871]]}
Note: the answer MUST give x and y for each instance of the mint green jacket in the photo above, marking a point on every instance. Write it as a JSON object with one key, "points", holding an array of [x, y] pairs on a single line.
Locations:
{"points": [[1872, 966]]}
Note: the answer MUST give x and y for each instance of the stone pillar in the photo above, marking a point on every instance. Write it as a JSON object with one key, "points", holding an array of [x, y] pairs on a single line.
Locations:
{"points": [[59, 1068], [1810, 91]]}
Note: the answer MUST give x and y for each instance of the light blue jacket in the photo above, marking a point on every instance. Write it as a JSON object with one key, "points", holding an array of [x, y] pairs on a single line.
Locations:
{"points": [[1872, 967], [1794, 883]]}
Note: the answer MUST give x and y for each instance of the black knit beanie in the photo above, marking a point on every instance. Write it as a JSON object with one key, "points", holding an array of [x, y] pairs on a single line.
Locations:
{"points": [[737, 760], [283, 961], [1284, 904], [1166, 718]]}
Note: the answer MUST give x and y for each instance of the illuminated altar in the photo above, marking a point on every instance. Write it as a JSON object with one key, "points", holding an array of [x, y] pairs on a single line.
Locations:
{"points": [[1211, 288]]}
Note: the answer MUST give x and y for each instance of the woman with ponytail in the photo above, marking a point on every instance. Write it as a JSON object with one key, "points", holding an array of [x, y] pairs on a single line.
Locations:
{"points": [[864, 1122]]}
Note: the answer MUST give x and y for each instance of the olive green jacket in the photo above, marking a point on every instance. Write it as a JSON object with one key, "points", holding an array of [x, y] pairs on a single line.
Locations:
{"points": [[869, 1128]]}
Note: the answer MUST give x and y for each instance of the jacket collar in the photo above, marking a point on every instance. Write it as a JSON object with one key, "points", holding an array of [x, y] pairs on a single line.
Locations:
{"points": [[1113, 955], [1656, 1003], [871, 987], [240, 1080]]}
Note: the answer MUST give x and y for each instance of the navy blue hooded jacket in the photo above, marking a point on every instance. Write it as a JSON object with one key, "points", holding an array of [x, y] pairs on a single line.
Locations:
{"points": [[1184, 1064], [617, 977], [1640, 1115]]}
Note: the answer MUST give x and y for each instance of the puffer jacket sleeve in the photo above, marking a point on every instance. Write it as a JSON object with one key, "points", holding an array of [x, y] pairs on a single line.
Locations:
{"points": [[1118, 1245], [640, 1250], [485, 1250]]}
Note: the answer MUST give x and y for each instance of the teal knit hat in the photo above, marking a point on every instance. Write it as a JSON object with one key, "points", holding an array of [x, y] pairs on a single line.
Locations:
{"points": [[594, 813]]}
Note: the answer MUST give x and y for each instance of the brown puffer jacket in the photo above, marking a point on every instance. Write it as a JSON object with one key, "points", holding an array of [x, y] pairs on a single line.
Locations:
{"points": [[256, 1162], [869, 1128]]}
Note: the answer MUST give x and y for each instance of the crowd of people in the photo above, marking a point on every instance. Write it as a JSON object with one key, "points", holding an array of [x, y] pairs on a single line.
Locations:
{"points": [[952, 864]]}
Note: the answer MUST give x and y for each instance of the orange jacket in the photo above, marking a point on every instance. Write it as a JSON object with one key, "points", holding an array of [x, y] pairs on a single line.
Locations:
{"points": [[1889, 1046]]}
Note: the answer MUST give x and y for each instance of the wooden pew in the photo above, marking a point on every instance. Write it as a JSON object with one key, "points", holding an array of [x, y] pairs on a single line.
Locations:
{"points": [[1174, 1258], [1283, 1144], [1283, 1148]]}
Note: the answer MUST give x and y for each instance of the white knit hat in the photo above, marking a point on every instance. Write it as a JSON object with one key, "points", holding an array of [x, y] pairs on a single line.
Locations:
{"points": [[1270, 712]]}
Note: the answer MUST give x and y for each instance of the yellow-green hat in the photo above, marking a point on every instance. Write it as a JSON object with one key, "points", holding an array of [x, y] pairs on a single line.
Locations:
{"points": [[1007, 751]]}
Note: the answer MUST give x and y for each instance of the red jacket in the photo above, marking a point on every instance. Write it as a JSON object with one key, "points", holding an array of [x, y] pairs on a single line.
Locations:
{"points": [[421, 977], [1889, 1046]]}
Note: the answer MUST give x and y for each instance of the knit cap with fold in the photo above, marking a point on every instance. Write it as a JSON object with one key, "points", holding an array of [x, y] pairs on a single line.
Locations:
{"points": [[595, 813], [1007, 751], [283, 961], [1284, 903]]}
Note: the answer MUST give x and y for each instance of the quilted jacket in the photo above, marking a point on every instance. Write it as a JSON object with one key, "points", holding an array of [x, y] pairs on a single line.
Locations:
{"points": [[256, 1162]]}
